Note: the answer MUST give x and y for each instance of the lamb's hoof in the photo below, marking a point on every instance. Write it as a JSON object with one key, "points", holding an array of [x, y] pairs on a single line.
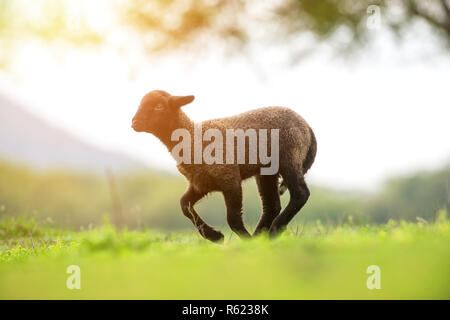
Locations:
{"points": [[259, 232], [214, 235], [275, 231]]}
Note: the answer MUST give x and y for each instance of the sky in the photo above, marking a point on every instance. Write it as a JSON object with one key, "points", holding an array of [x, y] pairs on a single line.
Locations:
{"points": [[381, 114]]}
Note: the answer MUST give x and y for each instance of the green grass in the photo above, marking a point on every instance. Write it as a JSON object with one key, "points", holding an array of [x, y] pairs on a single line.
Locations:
{"points": [[315, 262]]}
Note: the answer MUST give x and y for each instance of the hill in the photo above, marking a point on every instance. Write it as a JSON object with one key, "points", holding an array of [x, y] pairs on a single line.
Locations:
{"points": [[27, 139]]}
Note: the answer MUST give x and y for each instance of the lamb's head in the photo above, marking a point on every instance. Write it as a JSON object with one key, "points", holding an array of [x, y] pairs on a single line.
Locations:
{"points": [[157, 110]]}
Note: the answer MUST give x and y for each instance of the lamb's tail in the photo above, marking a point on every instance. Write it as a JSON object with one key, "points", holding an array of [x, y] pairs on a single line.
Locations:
{"points": [[311, 155], [307, 163]]}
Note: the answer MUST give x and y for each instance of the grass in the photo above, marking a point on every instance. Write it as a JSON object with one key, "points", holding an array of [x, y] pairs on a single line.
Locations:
{"points": [[315, 262]]}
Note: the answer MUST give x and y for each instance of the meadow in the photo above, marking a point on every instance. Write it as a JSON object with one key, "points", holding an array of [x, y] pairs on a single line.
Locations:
{"points": [[313, 261]]}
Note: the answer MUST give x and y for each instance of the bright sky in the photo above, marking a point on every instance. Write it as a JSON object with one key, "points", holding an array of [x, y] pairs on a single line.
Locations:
{"points": [[379, 115]]}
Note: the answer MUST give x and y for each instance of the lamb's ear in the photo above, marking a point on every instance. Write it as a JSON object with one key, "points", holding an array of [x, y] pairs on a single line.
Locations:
{"points": [[179, 101]]}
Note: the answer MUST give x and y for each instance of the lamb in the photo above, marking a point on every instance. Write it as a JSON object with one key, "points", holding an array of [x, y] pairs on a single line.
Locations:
{"points": [[160, 114]]}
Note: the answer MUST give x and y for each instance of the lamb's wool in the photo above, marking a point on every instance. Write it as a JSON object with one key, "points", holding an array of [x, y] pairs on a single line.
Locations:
{"points": [[160, 114]]}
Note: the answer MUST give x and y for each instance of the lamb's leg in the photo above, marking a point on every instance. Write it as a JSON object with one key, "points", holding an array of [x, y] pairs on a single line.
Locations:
{"points": [[270, 198], [187, 202], [233, 201], [299, 194]]}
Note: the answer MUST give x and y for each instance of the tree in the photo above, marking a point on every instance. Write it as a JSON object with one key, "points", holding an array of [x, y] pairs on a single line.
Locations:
{"points": [[167, 25]]}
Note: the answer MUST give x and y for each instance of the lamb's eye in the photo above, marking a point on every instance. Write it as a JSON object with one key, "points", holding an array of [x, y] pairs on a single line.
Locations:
{"points": [[158, 107]]}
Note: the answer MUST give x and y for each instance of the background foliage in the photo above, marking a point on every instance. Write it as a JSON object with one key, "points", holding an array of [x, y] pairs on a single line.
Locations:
{"points": [[151, 199]]}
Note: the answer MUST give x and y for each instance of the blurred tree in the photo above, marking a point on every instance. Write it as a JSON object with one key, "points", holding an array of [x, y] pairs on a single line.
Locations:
{"points": [[416, 196], [169, 24], [46, 20], [233, 24]]}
